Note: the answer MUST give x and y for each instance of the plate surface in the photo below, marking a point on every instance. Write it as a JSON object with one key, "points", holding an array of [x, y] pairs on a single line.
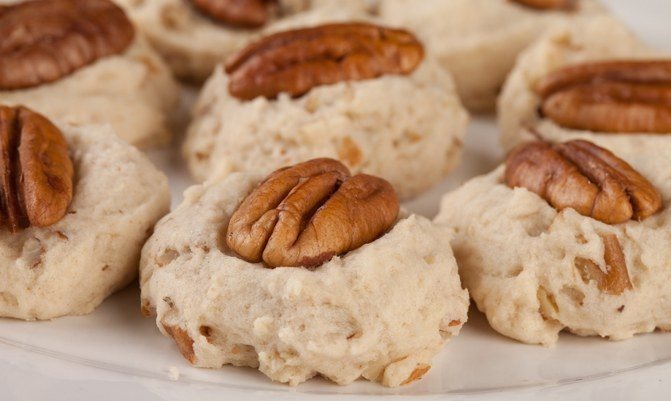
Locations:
{"points": [[115, 353]]}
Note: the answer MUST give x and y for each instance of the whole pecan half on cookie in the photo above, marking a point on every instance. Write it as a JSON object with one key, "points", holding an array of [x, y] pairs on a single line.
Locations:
{"points": [[45, 40], [305, 214], [548, 4], [36, 173], [585, 177], [239, 13], [611, 96], [298, 60]]}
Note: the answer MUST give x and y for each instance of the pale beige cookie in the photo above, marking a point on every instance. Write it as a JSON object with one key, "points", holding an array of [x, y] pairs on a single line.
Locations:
{"points": [[70, 267], [132, 90], [535, 271], [193, 43], [587, 41], [478, 40], [380, 312]]}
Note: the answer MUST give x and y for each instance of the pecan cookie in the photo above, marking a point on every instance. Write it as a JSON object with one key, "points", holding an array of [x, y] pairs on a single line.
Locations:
{"points": [[478, 40], [77, 205], [357, 92], [82, 62], [195, 35], [593, 80], [567, 236], [308, 271]]}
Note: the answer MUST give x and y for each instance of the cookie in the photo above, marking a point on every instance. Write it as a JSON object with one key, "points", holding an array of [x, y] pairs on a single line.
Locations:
{"points": [[478, 40], [553, 241], [123, 83], [405, 126], [591, 41], [101, 202], [379, 310], [193, 38]]}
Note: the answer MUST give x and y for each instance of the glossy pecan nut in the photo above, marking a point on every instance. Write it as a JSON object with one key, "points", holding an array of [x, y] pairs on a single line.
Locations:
{"points": [[298, 60], [613, 96], [615, 280], [585, 177], [548, 4], [45, 40], [36, 173], [238, 13], [306, 214]]}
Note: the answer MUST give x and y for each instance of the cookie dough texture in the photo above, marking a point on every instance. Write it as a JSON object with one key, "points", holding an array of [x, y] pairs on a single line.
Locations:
{"points": [[193, 44], [477, 40], [601, 38], [516, 256], [381, 311], [133, 91], [70, 267], [406, 129]]}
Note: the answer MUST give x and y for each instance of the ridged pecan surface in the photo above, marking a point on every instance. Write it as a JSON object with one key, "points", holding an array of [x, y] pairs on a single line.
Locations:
{"points": [[238, 13]]}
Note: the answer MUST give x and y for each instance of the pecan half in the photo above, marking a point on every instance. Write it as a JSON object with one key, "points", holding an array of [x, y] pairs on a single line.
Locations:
{"points": [[306, 214], [298, 60], [612, 96], [45, 40], [239, 13], [548, 4], [615, 280], [585, 177], [36, 172]]}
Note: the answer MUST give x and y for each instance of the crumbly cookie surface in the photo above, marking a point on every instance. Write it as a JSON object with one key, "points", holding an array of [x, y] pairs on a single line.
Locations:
{"points": [[406, 129], [381, 311], [134, 92], [193, 44], [517, 257], [477, 40], [601, 38], [70, 267]]}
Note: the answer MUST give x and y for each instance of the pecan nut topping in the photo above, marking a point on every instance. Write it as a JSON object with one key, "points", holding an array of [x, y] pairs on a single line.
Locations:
{"points": [[45, 40], [36, 173], [612, 96], [548, 4], [239, 13], [306, 214], [615, 280], [585, 177], [298, 60]]}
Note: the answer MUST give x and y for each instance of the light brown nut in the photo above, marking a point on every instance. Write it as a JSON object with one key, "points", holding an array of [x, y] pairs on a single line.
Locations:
{"points": [[36, 173], [548, 4], [306, 214], [615, 280], [45, 40], [417, 374], [183, 341], [585, 177], [238, 13], [298, 60], [614, 96]]}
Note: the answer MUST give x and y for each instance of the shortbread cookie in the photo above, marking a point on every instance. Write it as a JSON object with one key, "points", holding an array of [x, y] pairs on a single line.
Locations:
{"points": [[478, 40], [73, 227], [583, 249], [380, 309], [193, 41], [404, 125], [600, 39], [112, 76]]}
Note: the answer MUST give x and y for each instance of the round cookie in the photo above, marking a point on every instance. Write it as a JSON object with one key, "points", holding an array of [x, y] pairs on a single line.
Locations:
{"points": [[478, 40], [529, 267], [70, 267], [601, 38], [193, 43], [380, 311], [407, 129], [134, 91]]}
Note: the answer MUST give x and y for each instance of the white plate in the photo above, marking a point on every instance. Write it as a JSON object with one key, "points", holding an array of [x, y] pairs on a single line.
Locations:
{"points": [[116, 354]]}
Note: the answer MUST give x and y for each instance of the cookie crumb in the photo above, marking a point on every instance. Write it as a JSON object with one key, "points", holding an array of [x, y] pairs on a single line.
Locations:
{"points": [[173, 373]]}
